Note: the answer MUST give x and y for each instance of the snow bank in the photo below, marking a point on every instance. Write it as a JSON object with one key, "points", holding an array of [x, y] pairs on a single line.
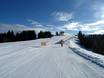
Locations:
{"points": [[95, 58]]}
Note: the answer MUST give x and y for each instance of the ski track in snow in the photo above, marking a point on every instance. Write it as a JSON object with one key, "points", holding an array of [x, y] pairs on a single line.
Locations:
{"points": [[28, 60]]}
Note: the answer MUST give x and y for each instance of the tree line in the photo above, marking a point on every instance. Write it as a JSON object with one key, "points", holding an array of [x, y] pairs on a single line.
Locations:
{"points": [[94, 42], [10, 36], [59, 33]]}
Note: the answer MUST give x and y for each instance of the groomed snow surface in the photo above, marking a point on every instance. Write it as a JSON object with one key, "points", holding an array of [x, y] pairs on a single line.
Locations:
{"points": [[28, 59], [95, 58]]}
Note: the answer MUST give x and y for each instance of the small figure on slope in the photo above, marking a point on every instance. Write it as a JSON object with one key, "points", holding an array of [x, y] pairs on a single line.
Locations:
{"points": [[61, 42]]}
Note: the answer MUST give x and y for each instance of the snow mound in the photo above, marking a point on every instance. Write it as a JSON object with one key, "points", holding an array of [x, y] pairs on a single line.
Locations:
{"points": [[93, 57]]}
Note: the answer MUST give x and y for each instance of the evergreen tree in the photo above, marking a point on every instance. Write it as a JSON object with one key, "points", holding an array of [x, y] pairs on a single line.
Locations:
{"points": [[45, 34], [24, 35], [57, 34], [94, 42]]}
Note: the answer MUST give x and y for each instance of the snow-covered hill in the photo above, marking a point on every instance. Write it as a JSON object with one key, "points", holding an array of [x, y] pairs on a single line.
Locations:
{"points": [[89, 55], [28, 59]]}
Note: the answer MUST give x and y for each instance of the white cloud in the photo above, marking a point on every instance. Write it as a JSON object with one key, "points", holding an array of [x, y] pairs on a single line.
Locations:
{"points": [[72, 26], [17, 28], [100, 13], [99, 10], [99, 22], [35, 23], [49, 27], [88, 27], [98, 32], [63, 16]]}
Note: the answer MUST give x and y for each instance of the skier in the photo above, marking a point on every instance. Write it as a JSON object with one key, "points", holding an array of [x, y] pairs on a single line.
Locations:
{"points": [[61, 42]]}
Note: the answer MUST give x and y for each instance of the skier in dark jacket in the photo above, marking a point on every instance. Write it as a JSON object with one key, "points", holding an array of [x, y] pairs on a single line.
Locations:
{"points": [[61, 42]]}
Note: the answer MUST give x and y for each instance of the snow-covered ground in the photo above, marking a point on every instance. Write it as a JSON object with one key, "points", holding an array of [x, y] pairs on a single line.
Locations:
{"points": [[28, 59], [95, 58]]}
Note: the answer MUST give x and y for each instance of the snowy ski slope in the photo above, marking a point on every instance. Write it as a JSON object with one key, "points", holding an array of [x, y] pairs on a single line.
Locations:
{"points": [[27, 59]]}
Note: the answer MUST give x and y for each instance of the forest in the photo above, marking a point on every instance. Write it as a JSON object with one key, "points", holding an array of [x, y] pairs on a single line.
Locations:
{"points": [[10, 36], [93, 42]]}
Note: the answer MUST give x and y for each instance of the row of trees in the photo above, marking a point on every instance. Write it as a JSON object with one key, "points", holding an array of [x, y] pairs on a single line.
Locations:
{"points": [[10, 36], [94, 42], [60, 33], [46, 34]]}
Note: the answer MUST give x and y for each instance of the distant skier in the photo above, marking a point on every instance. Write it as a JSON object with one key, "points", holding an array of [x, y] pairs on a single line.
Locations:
{"points": [[61, 42]]}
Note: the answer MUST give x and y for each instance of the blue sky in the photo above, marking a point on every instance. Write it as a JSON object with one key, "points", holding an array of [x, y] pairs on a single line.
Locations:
{"points": [[68, 15]]}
